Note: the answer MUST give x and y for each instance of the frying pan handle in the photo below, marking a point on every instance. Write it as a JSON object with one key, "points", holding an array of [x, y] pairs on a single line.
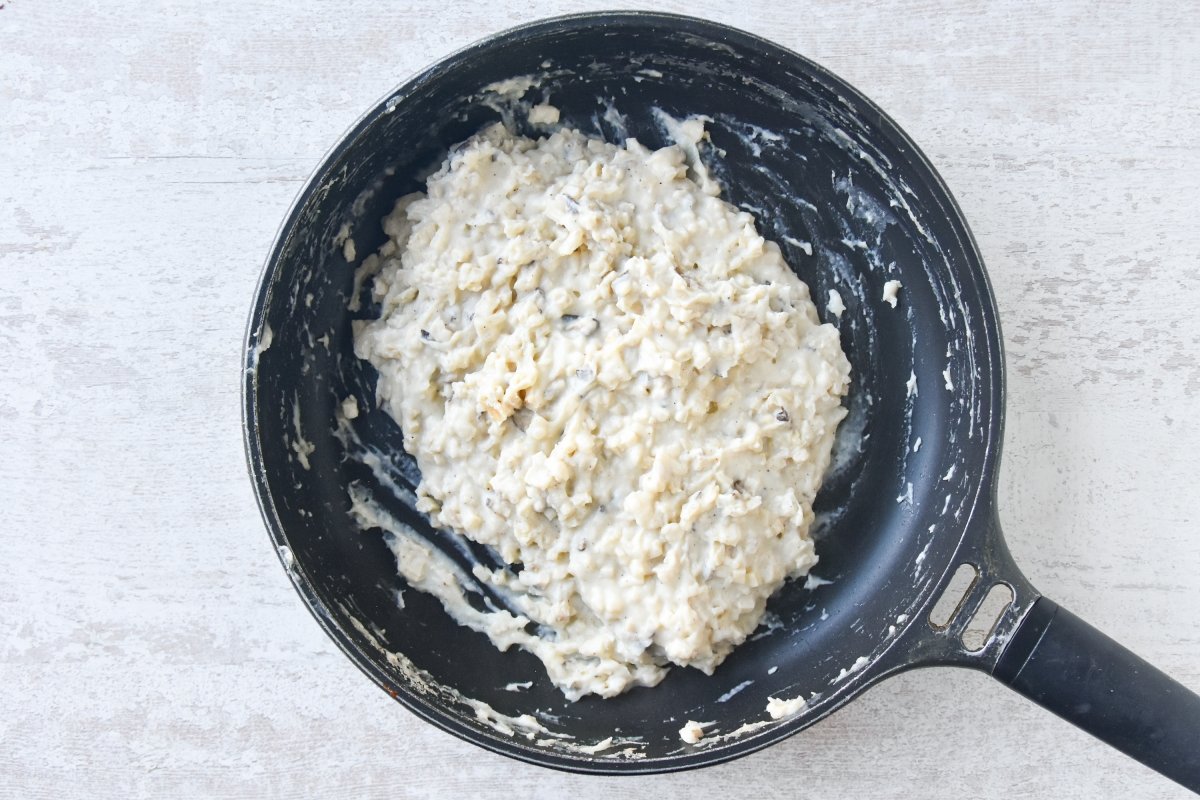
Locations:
{"points": [[1067, 666]]}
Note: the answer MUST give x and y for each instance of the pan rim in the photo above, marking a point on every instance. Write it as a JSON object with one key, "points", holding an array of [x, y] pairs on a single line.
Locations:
{"points": [[992, 388]]}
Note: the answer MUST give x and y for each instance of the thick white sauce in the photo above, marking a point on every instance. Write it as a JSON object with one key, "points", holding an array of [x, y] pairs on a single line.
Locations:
{"points": [[610, 378]]}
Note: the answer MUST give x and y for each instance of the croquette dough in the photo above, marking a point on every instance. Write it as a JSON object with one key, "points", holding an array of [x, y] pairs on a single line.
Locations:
{"points": [[611, 379]]}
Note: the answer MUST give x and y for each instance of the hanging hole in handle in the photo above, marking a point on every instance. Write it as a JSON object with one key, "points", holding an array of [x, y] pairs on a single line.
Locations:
{"points": [[983, 623], [950, 603]]}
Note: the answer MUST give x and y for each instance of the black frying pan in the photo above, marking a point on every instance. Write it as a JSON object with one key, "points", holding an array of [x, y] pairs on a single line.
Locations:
{"points": [[911, 497]]}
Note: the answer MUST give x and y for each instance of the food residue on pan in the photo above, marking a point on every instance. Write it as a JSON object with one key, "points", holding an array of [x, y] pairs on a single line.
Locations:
{"points": [[543, 114], [302, 448], [779, 709], [805, 246], [512, 87], [858, 664], [814, 581], [725, 698], [692, 732], [835, 305], [890, 291], [343, 241]]}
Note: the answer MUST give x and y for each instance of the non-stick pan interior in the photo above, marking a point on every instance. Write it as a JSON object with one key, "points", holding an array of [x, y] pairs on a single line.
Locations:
{"points": [[851, 204]]}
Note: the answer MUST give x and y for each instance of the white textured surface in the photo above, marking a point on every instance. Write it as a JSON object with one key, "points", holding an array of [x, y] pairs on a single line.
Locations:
{"points": [[151, 643]]}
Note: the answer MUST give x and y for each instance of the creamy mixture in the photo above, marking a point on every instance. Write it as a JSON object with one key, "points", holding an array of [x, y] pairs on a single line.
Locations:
{"points": [[607, 376]]}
